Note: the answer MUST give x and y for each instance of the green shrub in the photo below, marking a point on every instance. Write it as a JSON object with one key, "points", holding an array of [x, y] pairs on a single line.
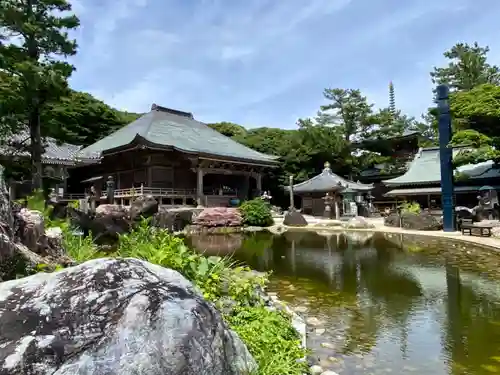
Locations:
{"points": [[412, 207], [271, 340], [256, 212]]}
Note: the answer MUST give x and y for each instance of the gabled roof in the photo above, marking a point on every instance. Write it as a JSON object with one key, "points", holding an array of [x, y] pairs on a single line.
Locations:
{"points": [[328, 181], [167, 128], [426, 169], [55, 152]]}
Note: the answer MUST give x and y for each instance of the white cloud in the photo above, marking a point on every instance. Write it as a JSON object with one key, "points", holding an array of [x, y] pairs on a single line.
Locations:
{"points": [[247, 60]]}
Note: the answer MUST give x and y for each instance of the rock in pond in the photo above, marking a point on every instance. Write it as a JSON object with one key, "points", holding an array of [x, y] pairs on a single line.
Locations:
{"points": [[294, 219], [410, 220], [219, 217], [114, 317], [358, 222]]}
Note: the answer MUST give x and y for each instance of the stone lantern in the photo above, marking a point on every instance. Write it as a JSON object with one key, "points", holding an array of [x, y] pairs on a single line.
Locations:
{"points": [[329, 200]]}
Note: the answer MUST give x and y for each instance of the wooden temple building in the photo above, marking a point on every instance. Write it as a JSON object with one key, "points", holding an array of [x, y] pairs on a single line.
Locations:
{"points": [[346, 195], [168, 154], [57, 160], [422, 181]]}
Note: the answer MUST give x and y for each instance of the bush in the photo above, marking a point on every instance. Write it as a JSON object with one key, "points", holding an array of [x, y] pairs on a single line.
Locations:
{"points": [[412, 207], [256, 212]]}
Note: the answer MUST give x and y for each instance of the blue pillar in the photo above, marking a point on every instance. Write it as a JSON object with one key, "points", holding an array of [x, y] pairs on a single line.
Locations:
{"points": [[446, 158]]}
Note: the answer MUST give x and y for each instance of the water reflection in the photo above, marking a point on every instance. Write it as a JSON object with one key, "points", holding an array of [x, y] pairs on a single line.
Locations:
{"points": [[381, 309]]}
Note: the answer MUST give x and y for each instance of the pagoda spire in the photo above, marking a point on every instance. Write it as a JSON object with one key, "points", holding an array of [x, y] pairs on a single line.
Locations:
{"points": [[392, 101]]}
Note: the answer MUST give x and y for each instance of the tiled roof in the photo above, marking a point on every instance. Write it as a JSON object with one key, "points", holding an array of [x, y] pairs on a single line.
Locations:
{"points": [[328, 181], [179, 130], [426, 169], [55, 153]]}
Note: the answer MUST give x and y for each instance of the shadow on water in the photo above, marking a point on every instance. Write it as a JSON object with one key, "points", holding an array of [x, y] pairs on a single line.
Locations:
{"points": [[379, 309]]}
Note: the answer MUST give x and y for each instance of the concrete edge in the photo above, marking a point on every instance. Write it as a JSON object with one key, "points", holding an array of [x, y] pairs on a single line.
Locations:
{"points": [[454, 236]]}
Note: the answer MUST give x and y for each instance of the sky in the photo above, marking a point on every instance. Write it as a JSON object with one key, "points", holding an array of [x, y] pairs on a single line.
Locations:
{"points": [[267, 62]]}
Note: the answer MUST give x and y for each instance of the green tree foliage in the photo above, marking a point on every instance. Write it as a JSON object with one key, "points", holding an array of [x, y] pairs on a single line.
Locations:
{"points": [[81, 119], [478, 109], [474, 102], [39, 77], [468, 68], [229, 129], [348, 110]]}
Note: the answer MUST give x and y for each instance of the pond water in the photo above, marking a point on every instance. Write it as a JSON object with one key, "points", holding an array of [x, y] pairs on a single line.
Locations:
{"points": [[375, 308]]}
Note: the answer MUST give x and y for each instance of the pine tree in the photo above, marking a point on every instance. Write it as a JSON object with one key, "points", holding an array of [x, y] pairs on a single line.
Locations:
{"points": [[41, 29]]}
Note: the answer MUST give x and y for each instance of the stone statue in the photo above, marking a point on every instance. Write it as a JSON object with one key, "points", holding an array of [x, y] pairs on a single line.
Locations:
{"points": [[110, 190], [266, 197], [487, 206]]}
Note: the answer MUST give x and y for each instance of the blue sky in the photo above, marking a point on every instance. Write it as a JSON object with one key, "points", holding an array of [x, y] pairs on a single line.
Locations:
{"points": [[266, 62]]}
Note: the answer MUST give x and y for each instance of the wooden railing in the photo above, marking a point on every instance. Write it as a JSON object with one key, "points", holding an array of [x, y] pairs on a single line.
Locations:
{"points": [[155, 192], [72, 197]]}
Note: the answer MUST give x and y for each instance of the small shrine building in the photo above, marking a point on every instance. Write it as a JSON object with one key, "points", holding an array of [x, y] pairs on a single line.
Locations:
{"points": [[345, 197]]}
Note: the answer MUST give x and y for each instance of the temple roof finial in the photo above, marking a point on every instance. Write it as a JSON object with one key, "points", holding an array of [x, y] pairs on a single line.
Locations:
{"points": [[327, 165]]}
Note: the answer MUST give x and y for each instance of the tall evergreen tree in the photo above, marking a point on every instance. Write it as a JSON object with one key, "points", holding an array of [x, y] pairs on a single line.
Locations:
{"points": [[468, 68], [40, 29]]}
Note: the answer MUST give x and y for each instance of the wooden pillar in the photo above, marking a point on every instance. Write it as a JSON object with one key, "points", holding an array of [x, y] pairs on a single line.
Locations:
{"points": [[149, 177], [199, 186], [258, 180]]}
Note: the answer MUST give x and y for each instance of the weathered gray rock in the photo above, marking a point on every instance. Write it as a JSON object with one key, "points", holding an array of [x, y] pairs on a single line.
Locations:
{"points": [[175, 219], [409, 220], [294, 219], [6, 218], [143, 206], [358, 222], [114, 317], [32, 227]]}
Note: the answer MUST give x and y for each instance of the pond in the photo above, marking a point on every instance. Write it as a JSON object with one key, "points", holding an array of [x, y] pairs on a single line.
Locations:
{"points": [[376, 308]]}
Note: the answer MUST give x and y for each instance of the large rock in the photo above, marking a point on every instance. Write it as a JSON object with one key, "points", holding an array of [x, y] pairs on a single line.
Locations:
{"points": [[32, 227], [413, 221], [358, 222], [106, 225], [24, 243], [294, 219], [175, 219], [219, 217], [114, 317], [143, 206]]}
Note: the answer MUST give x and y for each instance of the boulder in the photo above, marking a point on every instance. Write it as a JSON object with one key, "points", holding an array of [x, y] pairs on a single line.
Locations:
{"points": [[24, 244], [114, 316], [106, 224], [413, 221], [358, 222], [219, 217], [294, 219], [32, 227], [114, 210], [143, 206], [175, 219]]}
